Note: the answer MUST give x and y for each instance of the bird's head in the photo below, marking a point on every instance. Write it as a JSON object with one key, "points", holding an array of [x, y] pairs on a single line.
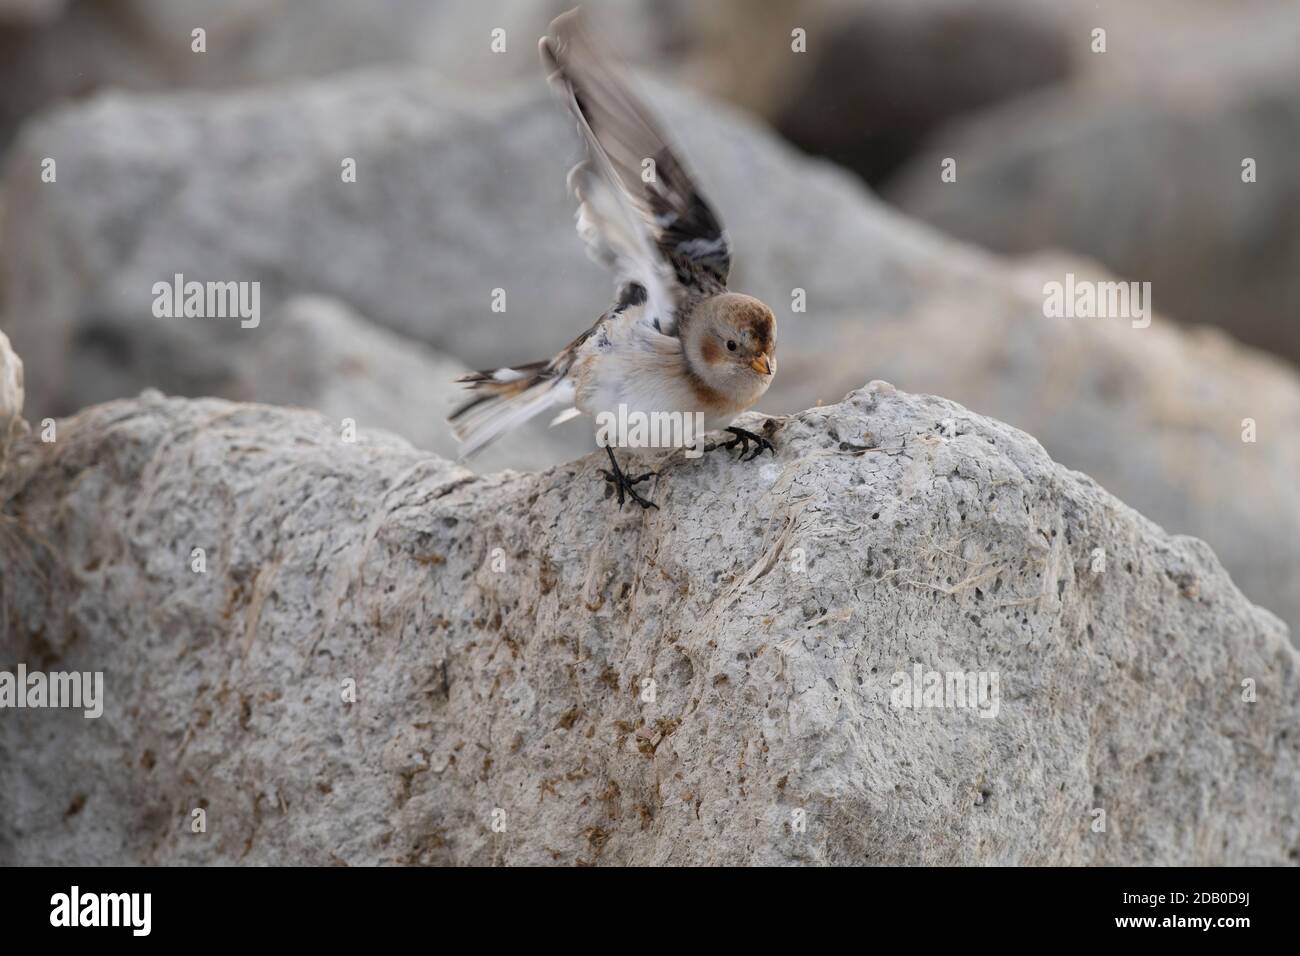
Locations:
{"points": [[731, 342]]}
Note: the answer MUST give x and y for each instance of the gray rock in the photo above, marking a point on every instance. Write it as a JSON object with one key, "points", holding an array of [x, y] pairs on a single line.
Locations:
{"points": [[27, 12], [881, 77], [931, 57], [320, 355], [1158, 415], [207, 195], [1143, 172], [454, 199], [502, 634], [146, 45]]}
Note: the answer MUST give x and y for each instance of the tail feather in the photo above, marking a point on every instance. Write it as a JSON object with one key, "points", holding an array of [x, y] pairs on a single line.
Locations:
{"points": [[507, 397]]}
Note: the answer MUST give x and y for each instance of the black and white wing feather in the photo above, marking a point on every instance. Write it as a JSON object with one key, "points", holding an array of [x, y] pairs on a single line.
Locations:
{"points": [[639, 211]]}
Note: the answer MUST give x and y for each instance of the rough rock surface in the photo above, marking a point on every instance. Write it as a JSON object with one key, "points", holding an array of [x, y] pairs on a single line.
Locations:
{"points": [[500, 634], [150, 187]]}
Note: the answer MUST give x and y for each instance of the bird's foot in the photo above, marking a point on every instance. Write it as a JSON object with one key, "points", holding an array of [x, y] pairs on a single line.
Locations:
{"points": [[743, 439], [624, 485]]}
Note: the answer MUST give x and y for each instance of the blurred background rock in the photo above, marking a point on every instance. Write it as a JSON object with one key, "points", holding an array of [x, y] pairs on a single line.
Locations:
{"points": [[225, 165]]}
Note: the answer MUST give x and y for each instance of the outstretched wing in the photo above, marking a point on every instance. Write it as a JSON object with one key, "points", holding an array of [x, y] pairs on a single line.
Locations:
{"points": [[639, 211]]}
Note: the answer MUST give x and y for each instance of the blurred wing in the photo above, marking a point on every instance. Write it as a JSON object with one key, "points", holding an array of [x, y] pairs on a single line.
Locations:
{"points": [[661, 234]]}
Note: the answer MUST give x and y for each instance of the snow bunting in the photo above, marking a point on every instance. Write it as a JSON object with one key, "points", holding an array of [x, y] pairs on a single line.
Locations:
{"points": [[675, 341]]}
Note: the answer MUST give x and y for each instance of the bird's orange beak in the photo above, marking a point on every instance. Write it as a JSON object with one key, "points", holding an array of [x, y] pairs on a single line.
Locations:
{"points": [[761, 364]]}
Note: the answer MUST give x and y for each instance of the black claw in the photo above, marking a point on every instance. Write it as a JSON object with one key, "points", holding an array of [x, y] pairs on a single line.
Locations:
{"points": [[743, 438], [623, 484]]}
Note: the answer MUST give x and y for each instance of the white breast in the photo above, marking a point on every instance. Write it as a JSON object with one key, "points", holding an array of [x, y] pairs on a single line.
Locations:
{"points": [[628, 363]]}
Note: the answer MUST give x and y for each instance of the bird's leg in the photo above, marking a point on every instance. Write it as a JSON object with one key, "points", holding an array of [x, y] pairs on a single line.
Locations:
{"points": [[623, 484], [743, 438]]}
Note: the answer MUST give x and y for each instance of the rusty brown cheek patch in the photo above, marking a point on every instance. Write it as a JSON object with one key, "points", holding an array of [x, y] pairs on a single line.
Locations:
{"points": [[709, 351]]}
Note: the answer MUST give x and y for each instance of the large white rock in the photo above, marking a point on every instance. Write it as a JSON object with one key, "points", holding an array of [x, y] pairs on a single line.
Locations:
{"points": [[541, 678]]}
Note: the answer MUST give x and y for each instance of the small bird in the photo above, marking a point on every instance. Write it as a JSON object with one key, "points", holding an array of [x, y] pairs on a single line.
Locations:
{"points": [[675, 340]]}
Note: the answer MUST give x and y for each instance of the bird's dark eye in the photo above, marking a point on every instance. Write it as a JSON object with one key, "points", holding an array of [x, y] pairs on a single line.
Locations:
{"points": [[731, 346]]}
